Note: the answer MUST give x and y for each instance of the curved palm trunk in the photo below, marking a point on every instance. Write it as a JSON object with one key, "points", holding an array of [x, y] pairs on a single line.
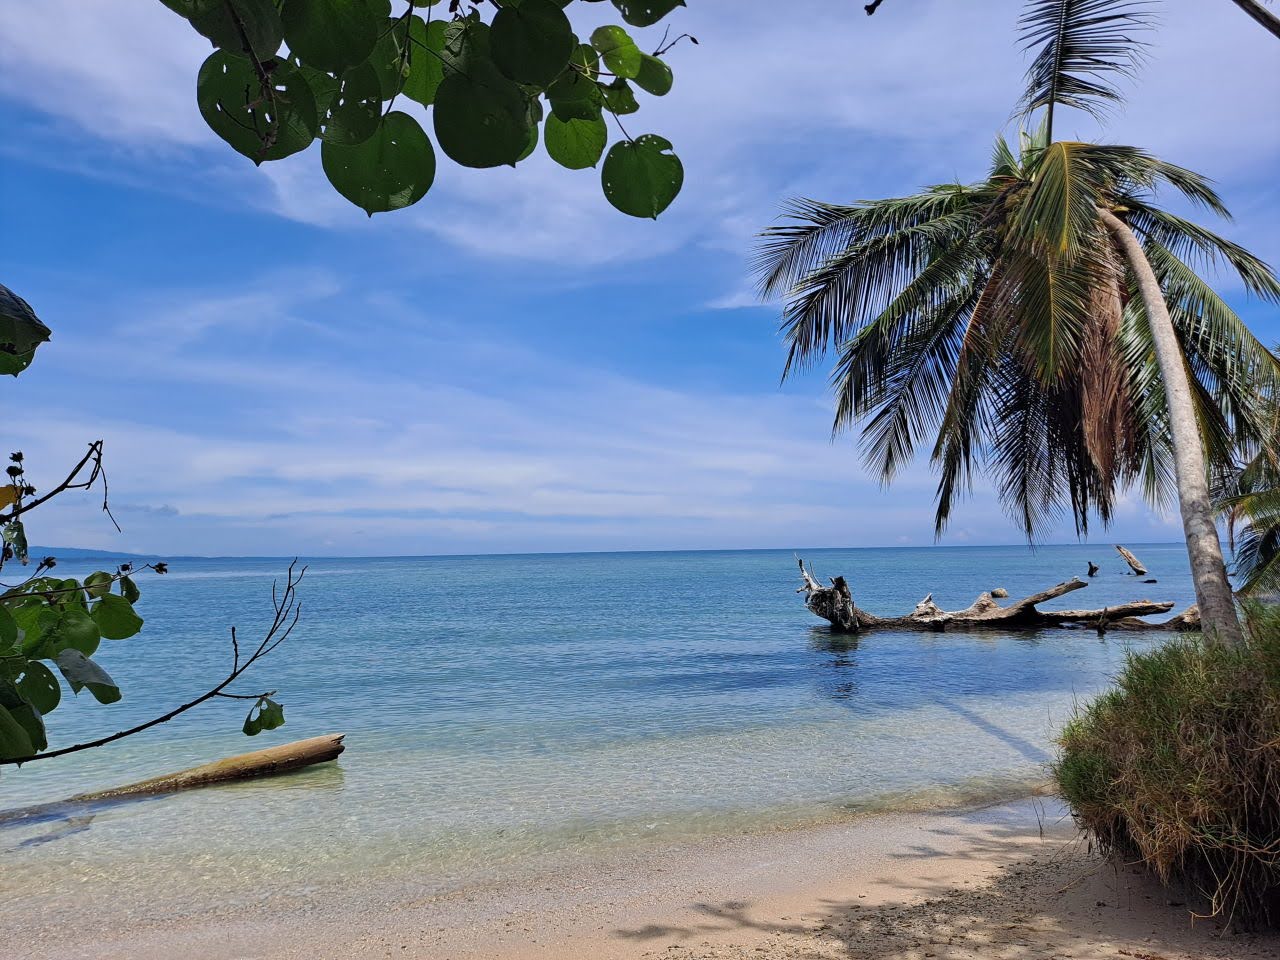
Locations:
{"points": [[1208, 571], [1261, 14]]}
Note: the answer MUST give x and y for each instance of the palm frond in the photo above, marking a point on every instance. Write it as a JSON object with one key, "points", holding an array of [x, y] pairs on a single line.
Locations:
{"points": [[1187, 240], [1080, 47], [836, 298]]}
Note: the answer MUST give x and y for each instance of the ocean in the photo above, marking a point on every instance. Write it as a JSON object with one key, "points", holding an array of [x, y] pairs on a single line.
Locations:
{"points": [[502, 709]]}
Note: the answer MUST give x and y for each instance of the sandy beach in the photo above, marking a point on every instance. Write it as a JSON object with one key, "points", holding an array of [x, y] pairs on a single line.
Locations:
{"points": [[1005, 882]]}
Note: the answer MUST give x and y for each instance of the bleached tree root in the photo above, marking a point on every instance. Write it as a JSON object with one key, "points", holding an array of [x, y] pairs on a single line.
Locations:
{"points": [[835, 605]]}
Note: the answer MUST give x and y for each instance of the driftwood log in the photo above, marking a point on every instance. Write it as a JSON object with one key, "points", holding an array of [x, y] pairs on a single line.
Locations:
{"points": [[244, 766], [835, 605], [1132, 561]]}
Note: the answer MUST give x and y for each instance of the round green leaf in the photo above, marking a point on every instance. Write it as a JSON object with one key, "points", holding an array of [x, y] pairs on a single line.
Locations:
{"points": [[39, 687], [643, 13], [76, 629], [426, 69], [221, 21], [115, 617], [618, 50], [331, 34], [481, 118], [585, 56], [393, 168], [531, 43], [263, 125], [641, 177], [575, 144], [654, 76]]}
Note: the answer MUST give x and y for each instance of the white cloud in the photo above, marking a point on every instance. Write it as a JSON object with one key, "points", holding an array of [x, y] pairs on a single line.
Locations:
{"points": [[817, 100]]}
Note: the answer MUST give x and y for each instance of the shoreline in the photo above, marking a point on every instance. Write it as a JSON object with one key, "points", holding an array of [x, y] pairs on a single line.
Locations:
{"points": [[1011, 880]]}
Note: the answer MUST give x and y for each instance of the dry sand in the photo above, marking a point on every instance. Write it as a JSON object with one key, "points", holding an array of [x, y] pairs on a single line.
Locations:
{"points": [[1011, 882]]}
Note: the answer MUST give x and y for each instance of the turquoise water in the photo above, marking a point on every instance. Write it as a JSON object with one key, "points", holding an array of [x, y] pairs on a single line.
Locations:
{"points": [[502, 708]]}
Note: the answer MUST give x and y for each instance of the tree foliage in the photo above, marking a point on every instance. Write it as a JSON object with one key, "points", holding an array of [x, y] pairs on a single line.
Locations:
{"points": [[286, 73], [51, 627]]}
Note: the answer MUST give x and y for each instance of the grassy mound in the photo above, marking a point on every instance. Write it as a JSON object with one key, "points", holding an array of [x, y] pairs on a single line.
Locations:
{"points": [[1179, 767]]}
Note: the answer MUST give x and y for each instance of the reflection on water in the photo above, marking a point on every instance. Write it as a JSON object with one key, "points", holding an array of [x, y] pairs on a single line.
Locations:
{"points": [[693, 695]]}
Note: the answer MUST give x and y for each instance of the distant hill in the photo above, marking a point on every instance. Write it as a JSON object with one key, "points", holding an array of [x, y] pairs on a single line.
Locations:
{"points": [[85, 553]]}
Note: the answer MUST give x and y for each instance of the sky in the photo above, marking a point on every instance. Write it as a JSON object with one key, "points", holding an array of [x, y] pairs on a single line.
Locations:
{"points": [[511, 365]]}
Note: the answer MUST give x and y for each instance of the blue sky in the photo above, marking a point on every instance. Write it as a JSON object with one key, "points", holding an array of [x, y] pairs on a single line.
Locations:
{"points": [[511, 365]]}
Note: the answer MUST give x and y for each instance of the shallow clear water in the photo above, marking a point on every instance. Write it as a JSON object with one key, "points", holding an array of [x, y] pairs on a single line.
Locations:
{"points": [[498, 708]]}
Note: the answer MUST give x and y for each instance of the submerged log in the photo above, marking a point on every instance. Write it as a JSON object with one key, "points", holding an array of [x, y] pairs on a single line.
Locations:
{"points": [[243, 766], [1093, 568], [835, 605], [1132, 561]]}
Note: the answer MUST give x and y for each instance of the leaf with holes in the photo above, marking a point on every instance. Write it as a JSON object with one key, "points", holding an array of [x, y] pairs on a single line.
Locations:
{"points": [[620, 54], [644, 13], [641, 177], [654, 76], [262, 124]]}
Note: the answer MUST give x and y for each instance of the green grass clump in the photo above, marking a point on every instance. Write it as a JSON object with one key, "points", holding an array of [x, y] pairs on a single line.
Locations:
{"points": [[1179, 768]]}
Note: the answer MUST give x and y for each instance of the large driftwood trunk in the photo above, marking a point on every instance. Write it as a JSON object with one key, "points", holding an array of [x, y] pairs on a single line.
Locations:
{"points": [[835, 605], [1134, 563], [244, 766]]}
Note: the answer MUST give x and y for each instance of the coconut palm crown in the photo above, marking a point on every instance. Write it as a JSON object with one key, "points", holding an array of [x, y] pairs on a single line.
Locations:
{"points": [[1046, 325]]}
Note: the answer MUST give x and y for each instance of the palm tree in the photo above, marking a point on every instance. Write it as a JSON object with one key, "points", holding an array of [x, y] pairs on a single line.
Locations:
{"points": [[1250, 499], [1047, 323]]}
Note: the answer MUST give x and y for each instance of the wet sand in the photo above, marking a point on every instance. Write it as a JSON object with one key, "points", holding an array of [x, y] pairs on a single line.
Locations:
{"points": [[1010, 882]]}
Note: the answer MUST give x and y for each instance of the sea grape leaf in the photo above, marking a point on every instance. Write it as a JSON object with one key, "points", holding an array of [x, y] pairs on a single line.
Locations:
{"points": [[654, 76], [74, 629], [574, 97], [83, 674], [15, 741], [391, 169], [531, 43], [16, 536], [332, 35], [426, 69], [619, 97], [575, 144], [644, 13], [229, 24], [481, 117], [39, 687], [116, 618], [356, 108], [641, 177], [20, 332], [620, 54], [266, 714], [262, 125]]}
